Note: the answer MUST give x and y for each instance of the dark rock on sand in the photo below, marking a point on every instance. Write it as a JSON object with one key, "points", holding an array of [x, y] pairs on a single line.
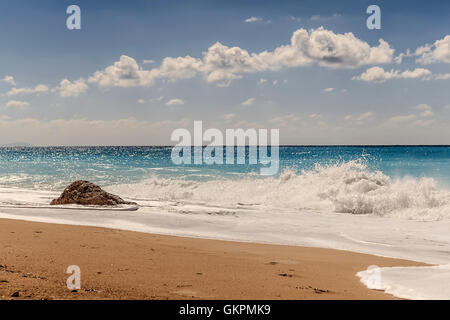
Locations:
{"points": [[86, 193]]}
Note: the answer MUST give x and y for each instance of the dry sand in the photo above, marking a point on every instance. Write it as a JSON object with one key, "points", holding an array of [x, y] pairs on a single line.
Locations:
{"points": [[119, 264]]}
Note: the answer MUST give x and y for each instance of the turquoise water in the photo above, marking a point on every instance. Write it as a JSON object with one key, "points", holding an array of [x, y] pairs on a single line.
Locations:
{"points": [[51, 168]]}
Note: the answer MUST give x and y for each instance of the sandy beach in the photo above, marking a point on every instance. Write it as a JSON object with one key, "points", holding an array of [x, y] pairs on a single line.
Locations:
{"points": [[119, 264]]}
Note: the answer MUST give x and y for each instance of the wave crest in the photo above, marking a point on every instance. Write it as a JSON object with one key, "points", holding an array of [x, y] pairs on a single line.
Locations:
{"points": [[347, 187]]}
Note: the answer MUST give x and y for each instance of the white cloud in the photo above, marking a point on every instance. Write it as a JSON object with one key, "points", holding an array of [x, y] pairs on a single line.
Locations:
{"points": [[141, 101], [229, 116], [174, 102], [10, 80], [253, 19], [17, 104], [71, 89], [410, 120], [379, 75], [360, 119], [328, 90], [439, 51], [221, 64], [418, 73], [402, 118], [315, 116], [148, 61], [127, 73], [284, 120], [365, 116], [40, 88], [427, 111], [413, 120], [123, 73], [248, 102], [424, 123], [317, 17]]}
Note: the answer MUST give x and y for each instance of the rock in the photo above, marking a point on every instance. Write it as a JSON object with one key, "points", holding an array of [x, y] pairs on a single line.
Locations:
{"points": [[86, 193]]}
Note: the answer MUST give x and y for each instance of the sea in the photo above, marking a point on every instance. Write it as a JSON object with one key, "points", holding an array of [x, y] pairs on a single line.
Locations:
{"points": [[391, 201]]}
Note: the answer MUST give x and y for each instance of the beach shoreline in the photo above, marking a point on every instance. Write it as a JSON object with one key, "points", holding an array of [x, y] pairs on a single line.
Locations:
{"points": [[118, 264]]}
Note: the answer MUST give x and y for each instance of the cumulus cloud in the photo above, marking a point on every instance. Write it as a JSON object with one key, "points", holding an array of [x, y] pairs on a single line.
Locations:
{"points": [[284, 120], [40, 88], [317, 17], [229, 117], [17, 104], [379, 75], [328, 90], [174, 102], [67, 88], [10, 80], [422, 119], [426, 110], [253, 19], [123, 73], [127, 73], [359, 119], [248, 102], [402, 118], [439, 51], [221, 64]]}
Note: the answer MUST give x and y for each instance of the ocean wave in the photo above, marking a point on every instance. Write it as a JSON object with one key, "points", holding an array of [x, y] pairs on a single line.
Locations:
{"points": [[347, 187]]}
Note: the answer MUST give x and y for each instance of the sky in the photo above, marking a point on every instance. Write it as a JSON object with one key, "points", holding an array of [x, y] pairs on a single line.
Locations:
{"points": [[136, 71]]}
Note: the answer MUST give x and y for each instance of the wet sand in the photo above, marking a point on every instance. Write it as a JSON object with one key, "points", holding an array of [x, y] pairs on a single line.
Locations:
{"points": [[119, 264]]}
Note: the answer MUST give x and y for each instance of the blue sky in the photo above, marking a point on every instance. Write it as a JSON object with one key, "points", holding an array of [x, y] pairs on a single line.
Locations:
{"points": [[359, 100]]}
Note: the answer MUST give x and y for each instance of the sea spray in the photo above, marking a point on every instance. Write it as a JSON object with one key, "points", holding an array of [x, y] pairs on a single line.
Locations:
{"points": [[347, 187]]}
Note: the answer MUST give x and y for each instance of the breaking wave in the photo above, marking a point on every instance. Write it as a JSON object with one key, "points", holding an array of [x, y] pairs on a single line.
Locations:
{"points": [[347, 187]]}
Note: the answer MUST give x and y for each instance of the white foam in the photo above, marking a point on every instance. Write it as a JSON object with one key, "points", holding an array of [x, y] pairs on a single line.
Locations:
{"points": [[347, 187], [411, 282]]}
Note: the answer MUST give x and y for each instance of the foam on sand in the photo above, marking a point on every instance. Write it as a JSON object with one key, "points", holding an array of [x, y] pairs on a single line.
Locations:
{"points": [[411, 282]]}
